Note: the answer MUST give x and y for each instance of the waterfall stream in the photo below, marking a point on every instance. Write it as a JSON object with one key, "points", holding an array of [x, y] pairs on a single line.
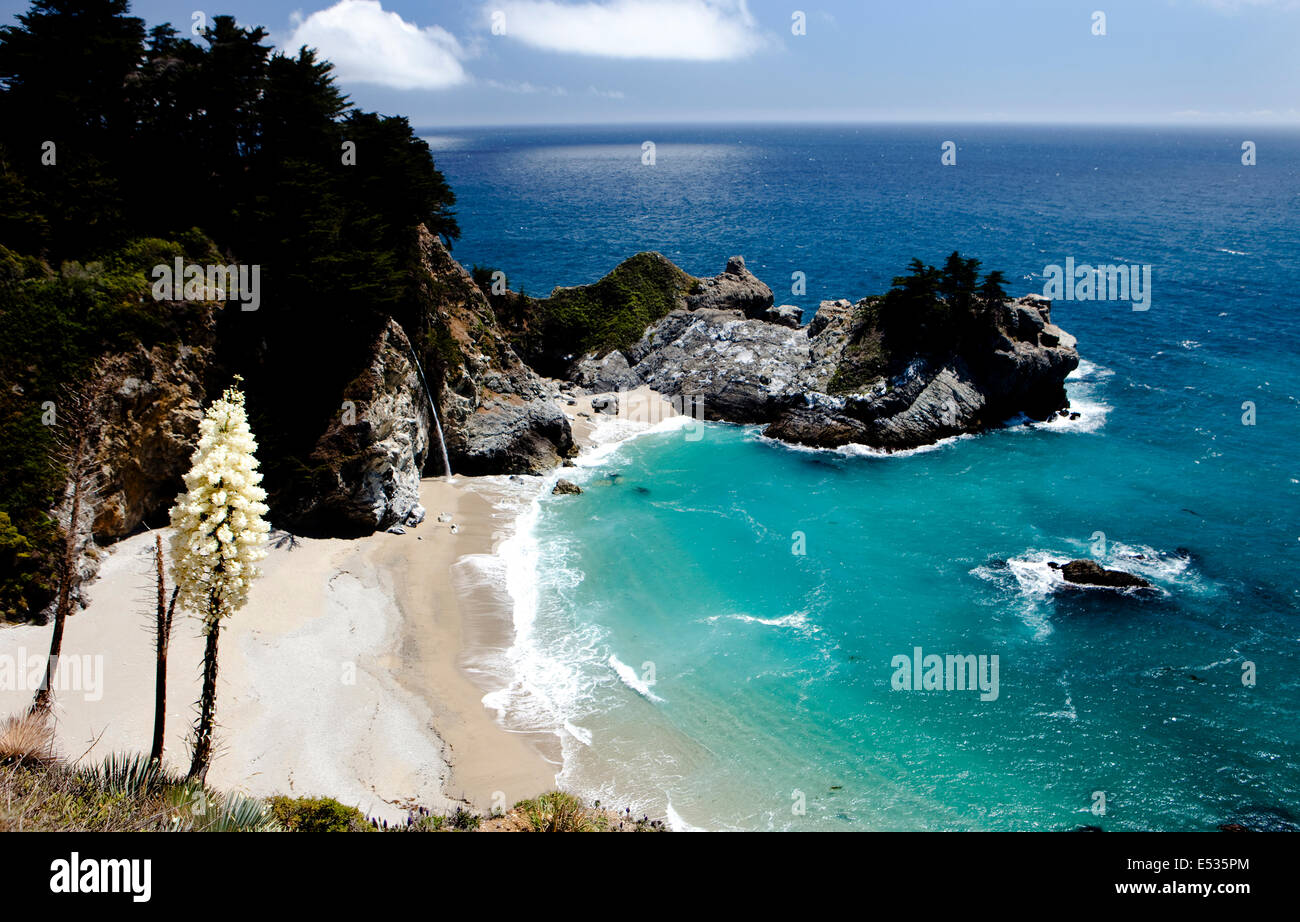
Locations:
{"points": [[433, 408]]}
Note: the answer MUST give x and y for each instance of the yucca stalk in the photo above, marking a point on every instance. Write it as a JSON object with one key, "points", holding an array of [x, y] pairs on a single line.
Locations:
{"points": [[163, 626], [217, 540], [74, 453]]}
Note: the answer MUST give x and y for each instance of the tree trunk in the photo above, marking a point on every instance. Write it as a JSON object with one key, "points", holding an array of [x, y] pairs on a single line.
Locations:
{"points": [[68, 568], [207, 704], [164, 627]]}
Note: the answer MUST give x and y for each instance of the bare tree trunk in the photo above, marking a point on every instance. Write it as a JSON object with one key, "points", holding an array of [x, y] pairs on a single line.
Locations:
{"points": [[77, 471], [207, 703], [164, 628]]}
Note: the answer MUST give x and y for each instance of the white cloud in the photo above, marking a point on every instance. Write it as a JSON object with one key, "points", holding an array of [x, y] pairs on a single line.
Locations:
{"points": [[527, 87], [369, 45], [667, 30]]}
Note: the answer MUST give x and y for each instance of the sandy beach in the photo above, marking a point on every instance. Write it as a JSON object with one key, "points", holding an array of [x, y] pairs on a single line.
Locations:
{"points": [[350, 673]]}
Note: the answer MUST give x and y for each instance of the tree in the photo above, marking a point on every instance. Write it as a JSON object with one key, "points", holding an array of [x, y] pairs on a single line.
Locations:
{"points": [[75, 453], [65, 69], [992, 294], [218, 539], [957, 285]]}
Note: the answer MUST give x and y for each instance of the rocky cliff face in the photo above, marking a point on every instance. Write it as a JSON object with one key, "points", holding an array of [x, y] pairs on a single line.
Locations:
{"points": [[148, 403], [500, 417], [496, 414], [363, 473], [366, 467], [152, 402], [729, 346]]}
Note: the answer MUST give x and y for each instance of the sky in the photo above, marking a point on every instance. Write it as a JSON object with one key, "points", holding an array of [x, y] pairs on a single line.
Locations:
{"points": [[505, 62]]}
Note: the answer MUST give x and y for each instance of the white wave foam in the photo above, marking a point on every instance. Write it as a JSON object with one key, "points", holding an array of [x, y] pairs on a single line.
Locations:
{"points": [[855, 449], [581, 734], [1088, 371], [633, 681], [609, 435], [797, 619], [676, 823], [1037, 579]]}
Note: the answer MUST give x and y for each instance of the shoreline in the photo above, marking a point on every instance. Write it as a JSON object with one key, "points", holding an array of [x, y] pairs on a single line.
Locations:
{"points": [[358, 670]]}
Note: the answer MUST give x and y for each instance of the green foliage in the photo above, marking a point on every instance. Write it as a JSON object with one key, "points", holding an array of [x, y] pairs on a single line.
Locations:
{"points": [[20, 566], [127, 792], [609, 314], [53, 328], [865, 356], [159, 133], [556, 811], [317, 814], [463, 820], [933, 311], [132, 774]]}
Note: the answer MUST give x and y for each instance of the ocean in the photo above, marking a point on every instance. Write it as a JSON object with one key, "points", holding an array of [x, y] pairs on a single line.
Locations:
{"points": [[714, 627]]}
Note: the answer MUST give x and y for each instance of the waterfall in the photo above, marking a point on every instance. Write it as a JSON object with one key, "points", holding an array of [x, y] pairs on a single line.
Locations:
{"points": [[433, 408]]}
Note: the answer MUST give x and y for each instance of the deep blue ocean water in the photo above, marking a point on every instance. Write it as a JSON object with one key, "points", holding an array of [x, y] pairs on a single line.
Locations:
{"points": [[705, 668]]}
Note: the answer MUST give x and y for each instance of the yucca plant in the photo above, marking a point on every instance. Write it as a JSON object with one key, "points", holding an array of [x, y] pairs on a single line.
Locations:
{"points": [[217, 539], [555, 812], [130, 773], [238, 813]]}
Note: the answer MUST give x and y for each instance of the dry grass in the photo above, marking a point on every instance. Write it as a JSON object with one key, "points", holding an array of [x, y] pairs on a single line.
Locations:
{"points": [[27, 739]]}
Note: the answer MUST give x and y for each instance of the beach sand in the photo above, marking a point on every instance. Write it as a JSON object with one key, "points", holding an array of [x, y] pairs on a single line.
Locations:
{"points": [[351, 672]]}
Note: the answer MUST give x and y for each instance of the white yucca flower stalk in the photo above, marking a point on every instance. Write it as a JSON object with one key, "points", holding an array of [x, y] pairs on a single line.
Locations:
{"points": [[219, 533], [217, 539]]}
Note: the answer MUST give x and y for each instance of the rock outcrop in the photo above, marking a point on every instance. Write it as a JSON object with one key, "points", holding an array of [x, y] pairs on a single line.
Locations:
{"points": [[1091, 573], [499, 416], [835, 381], [152, 401], [735, 289], [365, 470]]}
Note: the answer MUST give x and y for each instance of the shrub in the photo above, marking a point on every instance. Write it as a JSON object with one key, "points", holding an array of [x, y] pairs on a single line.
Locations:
{"points": [[317, 814], [555, 812]]}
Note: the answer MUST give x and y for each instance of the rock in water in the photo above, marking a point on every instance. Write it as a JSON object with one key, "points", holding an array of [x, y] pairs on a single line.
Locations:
{"points": [[1091, 573], [565, 487]]}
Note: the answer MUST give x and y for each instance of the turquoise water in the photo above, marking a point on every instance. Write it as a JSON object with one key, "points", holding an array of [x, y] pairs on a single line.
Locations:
{"points": [[703, 666]]}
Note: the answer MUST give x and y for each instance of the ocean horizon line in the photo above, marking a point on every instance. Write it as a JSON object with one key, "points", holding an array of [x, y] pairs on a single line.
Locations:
{"points": [[1145, 126]]}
